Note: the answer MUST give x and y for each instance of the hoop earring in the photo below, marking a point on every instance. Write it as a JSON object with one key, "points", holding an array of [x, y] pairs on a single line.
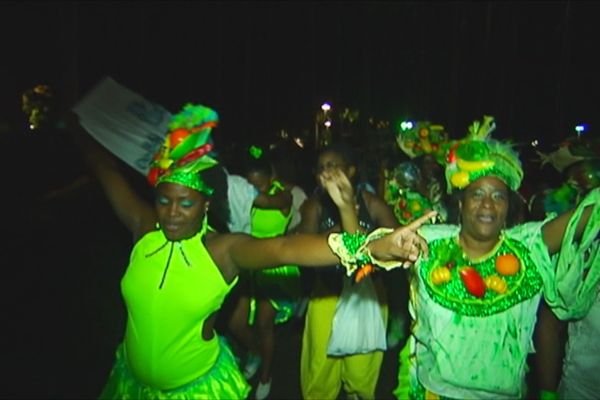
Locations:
{"points": [[204, 227]]}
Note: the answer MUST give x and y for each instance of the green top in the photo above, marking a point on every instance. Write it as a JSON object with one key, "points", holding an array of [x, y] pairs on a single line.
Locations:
{"points": [[170, 289], [269, 222], [280, 284]]}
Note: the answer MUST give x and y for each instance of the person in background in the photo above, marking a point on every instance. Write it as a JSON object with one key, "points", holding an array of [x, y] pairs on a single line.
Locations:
{"points": [[270, 296], [322, 376], [567, 351]]}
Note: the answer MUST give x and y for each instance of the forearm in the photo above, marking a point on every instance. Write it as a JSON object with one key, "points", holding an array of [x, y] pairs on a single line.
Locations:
{"points": [[310, 250], [349, 219], [550, 349]]}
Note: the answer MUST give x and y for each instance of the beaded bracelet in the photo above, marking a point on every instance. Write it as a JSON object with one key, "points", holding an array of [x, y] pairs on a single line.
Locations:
{"points": [[353, 251]]}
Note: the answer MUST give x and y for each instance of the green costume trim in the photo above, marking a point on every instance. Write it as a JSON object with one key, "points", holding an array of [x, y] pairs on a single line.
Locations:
{"points": [[190, 180], [410, 205], [223, 381], [570, 298], [454, 295]]}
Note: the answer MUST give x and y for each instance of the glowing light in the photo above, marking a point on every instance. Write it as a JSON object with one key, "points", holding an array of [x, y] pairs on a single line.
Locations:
{"points": [[326, 107], [406, 125], [327, 124], [579, 129], [299, 142], [535, 143]]}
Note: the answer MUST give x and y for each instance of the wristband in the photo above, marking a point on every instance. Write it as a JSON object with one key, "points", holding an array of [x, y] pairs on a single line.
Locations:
{"points": [[353, 251]]}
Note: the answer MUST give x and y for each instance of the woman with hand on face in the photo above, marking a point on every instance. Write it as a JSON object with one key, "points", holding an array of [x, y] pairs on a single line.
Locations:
{"points": [[335, 206], [474, 300], [180, 271]]}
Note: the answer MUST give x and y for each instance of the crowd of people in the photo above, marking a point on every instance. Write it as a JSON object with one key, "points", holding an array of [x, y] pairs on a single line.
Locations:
{"points": [[439, 253]]}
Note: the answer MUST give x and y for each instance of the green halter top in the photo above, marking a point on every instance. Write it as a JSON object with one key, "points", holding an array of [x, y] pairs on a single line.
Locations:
{"points": [[170, 289]]}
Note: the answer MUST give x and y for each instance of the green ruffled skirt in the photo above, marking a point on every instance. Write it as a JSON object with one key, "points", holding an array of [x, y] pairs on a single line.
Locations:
{"points": [[224, 381]]}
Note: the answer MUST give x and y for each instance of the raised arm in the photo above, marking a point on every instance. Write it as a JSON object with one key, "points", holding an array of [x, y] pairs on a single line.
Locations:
{"points": [[554, 230], [135, 213], [340, 189]]}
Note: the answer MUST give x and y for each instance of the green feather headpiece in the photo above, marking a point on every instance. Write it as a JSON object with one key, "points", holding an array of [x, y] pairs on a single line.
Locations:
{"points": [[479, 155], [185, 151]]}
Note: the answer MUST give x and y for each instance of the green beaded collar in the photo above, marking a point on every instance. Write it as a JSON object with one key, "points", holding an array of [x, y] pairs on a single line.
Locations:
{"points": [[441, 273]]}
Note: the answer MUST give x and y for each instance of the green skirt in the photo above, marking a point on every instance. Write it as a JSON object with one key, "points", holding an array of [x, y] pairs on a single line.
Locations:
{"points": [[223, 381]]}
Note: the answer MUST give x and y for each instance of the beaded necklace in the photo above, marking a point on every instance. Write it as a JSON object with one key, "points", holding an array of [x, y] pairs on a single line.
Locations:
{"points": [[479, 287]]}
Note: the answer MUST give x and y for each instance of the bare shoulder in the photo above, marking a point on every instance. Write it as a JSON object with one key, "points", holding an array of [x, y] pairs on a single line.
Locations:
{"points": [[220, 247], [371, 198], [373, 202], [311, 204], [379, 210]]}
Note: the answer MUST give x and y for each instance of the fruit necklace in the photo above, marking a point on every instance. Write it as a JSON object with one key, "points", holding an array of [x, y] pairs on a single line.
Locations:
{"points": [[479, 287]]}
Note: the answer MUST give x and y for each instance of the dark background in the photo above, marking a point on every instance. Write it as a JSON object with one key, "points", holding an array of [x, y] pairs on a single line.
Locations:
{"points": [[264, 67]]}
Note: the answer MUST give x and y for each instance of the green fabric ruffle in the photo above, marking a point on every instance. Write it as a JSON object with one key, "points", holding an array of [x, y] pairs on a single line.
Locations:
{"points": [[223, 381]]}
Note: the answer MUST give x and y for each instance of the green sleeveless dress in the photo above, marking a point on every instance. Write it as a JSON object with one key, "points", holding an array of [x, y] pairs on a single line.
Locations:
{"points": [[170, 289]]}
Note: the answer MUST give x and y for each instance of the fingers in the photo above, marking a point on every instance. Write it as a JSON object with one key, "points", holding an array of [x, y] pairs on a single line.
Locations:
{"points": [[416, 224], [422, 246], [411, 245]]}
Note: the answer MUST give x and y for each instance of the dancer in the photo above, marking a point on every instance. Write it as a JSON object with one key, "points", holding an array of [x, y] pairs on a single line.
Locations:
{"points": [[179, 271], [474, 300]]}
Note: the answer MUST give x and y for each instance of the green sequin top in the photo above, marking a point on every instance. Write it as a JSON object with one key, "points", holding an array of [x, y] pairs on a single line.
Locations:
{"points": [[449, 289], [470, 336]]}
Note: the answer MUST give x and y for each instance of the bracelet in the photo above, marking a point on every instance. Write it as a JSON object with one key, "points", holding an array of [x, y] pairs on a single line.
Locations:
{"points": [[548, 395], [353, 252], [378, 234]]}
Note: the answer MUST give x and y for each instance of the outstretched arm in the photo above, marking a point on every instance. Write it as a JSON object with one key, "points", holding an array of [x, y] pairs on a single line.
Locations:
{"points": [[310, 250], [136, 214]]}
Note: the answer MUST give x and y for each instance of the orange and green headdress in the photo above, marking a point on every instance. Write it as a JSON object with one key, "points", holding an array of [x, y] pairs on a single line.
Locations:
{"points": [[186, 149], [419, 138], [479, 155]]}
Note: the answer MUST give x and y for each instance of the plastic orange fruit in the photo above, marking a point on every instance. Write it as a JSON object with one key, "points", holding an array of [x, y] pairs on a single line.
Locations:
{"points": [[507, 264]]}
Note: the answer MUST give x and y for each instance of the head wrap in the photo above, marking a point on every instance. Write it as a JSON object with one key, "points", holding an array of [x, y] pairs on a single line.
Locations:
{"points": [[479, 155], [185, 151], [420, 138]]}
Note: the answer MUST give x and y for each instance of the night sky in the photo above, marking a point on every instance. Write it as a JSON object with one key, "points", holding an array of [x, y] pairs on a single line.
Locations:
{"points": [[266, 66]]}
